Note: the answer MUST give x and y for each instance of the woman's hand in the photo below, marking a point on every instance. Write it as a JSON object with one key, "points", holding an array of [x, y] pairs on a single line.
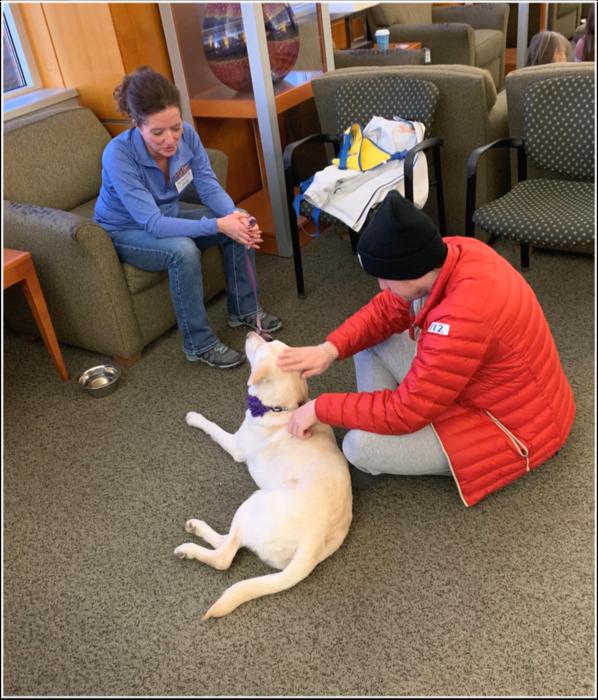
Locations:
{"points": [[237, 227], [309, 361], [302, 419]]}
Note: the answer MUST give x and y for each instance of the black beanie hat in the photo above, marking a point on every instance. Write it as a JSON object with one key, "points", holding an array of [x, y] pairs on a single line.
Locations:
{"points": [[401, 242]]}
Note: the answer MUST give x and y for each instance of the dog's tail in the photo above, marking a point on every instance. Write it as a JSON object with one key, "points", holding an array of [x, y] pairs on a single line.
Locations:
{"points": [[304, 561]]}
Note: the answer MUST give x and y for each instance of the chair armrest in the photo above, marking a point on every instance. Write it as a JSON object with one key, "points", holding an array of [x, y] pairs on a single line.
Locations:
{"points": [[433, 143], [82, 278], [448, 43], [291, 149], [421, 146], [219, 163], [291, 180], [472, 165], [481, 16]]}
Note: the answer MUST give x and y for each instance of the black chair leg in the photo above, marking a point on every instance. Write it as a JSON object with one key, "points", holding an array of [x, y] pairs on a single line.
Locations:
{"points": [[439, 191], [524, 256], [296, 253]]}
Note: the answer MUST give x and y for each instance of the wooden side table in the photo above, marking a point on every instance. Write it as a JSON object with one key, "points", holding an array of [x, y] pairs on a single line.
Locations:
{"points": [[349, 29], [18, 268], [393, 45]]}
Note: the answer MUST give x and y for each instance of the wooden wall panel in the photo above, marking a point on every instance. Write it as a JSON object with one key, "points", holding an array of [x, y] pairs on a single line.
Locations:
{"points": [[339, 34], [359, 28], [90, 46], [140, 36], [115, 128], [88, 53], [42, 46], [234, 137]]}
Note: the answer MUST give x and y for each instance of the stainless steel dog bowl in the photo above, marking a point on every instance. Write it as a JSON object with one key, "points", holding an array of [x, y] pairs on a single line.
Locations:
{"points": [[99, 381]]}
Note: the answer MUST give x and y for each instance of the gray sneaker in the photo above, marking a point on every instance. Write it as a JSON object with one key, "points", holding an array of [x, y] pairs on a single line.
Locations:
{"points": [[220, 356], [269, 322]]}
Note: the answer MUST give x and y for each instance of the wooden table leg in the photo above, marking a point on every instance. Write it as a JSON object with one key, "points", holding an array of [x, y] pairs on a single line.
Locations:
{"points": [[37, 304]]}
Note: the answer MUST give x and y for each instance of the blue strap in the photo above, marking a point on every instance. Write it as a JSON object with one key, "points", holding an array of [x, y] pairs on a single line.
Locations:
{"points": [[344, 151], [300, 197], [297, 203], [399, 155], [315, 217], [315, 214]]}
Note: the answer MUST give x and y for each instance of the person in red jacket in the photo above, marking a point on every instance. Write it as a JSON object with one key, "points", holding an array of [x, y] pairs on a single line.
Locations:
{"points": [[457, 370]]}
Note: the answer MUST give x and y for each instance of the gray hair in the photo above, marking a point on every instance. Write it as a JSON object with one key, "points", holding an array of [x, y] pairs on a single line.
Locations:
{"points": [[543, 46]]}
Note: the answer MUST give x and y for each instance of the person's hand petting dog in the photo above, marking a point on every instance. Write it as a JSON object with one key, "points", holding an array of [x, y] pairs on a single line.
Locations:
{"points": [[302, 419], [308, 361]]}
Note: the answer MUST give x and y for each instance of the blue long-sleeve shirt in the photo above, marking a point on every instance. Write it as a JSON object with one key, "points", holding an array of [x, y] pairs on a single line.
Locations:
{"points": [[135, 194]]}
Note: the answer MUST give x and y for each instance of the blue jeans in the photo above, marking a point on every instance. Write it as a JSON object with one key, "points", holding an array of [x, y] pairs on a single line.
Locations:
{"points": [[182, 258]]}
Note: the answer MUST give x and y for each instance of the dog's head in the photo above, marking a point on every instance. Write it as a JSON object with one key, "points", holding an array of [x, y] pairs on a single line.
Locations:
{"points": [[272, 386]]}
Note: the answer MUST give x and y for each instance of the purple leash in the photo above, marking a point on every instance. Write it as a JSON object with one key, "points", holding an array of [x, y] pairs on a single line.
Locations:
{"points": [[258, 322]]}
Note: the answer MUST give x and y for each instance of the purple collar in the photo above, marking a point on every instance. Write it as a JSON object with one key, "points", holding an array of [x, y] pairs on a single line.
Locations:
{"points": [[257, 408]]}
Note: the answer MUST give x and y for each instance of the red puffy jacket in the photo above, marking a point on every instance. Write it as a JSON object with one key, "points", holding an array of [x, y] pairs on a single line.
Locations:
{"points": [[487, 374]]}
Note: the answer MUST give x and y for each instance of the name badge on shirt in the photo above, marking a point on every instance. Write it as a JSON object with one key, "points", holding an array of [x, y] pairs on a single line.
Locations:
{"points": [[439, 328], [183, 177]]}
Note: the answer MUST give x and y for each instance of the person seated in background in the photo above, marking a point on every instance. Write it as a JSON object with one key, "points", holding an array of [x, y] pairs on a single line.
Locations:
{"points": [[584, 47], [547, 47], [144, 173]]}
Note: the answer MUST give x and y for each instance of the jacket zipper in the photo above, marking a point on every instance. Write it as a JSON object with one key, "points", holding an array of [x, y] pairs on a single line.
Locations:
{"points": [[448, 459], [519, 446]]}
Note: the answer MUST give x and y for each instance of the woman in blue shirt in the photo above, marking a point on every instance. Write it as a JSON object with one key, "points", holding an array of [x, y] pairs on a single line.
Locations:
{"points": [[144, 172]]}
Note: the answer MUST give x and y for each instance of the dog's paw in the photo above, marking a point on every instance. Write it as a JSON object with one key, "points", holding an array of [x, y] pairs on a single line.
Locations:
{"points": [[185, 551], [195, 420], [195, 527]]}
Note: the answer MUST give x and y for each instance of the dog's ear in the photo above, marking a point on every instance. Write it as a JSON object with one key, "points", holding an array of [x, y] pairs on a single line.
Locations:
{"points": [[258, 374]]}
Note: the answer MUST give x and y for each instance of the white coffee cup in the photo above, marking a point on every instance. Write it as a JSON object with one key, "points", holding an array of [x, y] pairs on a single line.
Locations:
{"points": [[382, 37]]}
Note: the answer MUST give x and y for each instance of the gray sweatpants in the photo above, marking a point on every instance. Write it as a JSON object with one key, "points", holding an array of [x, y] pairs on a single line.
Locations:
{"points": [[383, 367]]}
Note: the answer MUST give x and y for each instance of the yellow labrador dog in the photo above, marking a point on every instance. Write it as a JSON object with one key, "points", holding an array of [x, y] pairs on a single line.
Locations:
{"points": [[302, 511]]}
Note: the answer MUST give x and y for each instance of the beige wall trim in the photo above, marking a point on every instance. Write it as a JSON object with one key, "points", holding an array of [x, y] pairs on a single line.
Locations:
{"points": [[36, 101]]}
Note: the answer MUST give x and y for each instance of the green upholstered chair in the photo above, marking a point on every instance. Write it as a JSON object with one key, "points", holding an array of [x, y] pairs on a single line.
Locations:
{"points": [[52, 176], [473, 35], [357, 101], [554, 206], [563, 17]]}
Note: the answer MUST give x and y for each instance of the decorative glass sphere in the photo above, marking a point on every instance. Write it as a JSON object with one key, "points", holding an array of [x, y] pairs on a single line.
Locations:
{"points": [[224, 44]]}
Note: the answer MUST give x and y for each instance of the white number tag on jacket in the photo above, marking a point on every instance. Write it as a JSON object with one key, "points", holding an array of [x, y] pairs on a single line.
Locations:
{"points": [[439, 328], [183, 178]]}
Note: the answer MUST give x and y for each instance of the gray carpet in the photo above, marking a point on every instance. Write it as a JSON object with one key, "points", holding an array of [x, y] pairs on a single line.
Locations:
{"points": [[426, 597]]}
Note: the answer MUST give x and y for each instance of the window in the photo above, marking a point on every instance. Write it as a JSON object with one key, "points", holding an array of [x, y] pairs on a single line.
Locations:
{"points": [[19, 73], [300, 9]]}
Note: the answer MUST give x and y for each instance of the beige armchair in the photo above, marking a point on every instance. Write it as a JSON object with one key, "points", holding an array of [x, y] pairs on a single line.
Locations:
{"points": [[469, 114], [473, 35], [563, 17], [52, 175]]}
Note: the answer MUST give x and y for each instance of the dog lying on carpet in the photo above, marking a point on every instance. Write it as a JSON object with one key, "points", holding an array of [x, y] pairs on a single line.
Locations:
{"points": [[302, 511]]}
